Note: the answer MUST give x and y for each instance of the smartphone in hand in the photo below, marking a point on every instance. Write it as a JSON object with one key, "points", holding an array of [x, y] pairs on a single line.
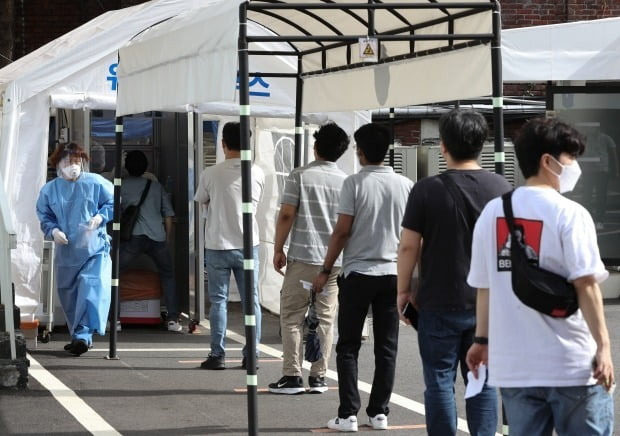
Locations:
{"points": [[411, 314]]}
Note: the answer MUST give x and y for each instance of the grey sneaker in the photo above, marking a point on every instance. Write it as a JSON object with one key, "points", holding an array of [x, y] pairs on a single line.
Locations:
{"points": [[316, 385], [289, 384], [343, 424]]}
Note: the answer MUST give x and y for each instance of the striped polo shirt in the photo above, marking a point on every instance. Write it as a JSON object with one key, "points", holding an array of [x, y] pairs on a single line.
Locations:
{"points": [[315, 191]]}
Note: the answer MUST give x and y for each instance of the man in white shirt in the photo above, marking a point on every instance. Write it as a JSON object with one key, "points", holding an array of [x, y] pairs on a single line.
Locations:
{"points": [[553, 373], [219, 190]]}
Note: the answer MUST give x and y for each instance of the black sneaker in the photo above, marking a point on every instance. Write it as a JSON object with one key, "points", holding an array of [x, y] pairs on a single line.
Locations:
{"points": [[214, 363], [317, 385], [244, 363], [289, 384]]}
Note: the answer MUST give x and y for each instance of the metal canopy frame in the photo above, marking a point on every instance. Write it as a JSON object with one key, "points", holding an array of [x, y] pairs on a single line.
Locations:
{"points": [[365, 15]]}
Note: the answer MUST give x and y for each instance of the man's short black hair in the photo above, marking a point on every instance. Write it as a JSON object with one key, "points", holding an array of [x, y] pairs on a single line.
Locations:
{"points": [[373, 140], [546, 135], [231, 134], [136, 163], [463, 133], [330, 141]]}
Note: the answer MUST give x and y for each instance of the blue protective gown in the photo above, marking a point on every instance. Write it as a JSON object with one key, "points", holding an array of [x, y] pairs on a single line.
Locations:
{"points": [[84, 266]]}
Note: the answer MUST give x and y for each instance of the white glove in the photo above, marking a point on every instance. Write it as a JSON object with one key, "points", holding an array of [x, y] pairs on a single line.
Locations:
{"points": [[59, 237], [95, 222]]}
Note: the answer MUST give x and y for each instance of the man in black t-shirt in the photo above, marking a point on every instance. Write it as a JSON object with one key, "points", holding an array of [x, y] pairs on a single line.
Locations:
{"points": [[439, 218]]}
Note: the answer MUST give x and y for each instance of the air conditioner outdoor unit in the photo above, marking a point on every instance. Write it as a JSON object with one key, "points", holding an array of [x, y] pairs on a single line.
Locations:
{"points": [[405, 161], [431, 162]]}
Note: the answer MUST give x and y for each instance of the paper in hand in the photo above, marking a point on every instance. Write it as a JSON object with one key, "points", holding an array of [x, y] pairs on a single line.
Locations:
{"points": [[475, 385]]}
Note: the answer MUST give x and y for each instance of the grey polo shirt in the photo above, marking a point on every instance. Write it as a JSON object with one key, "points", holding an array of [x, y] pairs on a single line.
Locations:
{"points": [[315, 191], [156, 206], [376, 198]]}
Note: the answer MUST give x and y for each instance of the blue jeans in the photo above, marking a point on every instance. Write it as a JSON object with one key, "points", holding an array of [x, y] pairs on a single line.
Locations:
{"points": [[219, 264], [159, 253], [444, 338], [575, 410]]}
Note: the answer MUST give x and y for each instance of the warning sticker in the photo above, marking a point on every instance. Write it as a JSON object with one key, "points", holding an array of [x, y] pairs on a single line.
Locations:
{"points": [[369, 49]]}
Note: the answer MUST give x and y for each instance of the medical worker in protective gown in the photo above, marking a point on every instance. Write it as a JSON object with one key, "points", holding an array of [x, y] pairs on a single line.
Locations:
{"points": [[74, 209]]}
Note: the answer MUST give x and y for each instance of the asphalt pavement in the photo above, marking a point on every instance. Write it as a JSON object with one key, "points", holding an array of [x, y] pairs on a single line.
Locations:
{"points": [[157, 387]]}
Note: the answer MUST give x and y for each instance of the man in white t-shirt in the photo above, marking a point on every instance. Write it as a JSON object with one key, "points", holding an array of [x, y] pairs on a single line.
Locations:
{"points": [[219, 190], [554, 373]]}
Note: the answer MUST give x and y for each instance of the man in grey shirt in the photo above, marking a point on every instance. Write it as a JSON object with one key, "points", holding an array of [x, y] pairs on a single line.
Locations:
{"points": [[308, 214], [149, 236], [372, 204]]}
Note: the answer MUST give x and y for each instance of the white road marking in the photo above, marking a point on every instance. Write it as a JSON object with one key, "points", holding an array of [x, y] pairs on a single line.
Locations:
{"points": [[96, 425], [68, 399]]}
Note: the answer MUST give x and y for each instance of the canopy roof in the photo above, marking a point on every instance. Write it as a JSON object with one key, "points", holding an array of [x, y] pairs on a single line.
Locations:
{"points": [[421, 44]]}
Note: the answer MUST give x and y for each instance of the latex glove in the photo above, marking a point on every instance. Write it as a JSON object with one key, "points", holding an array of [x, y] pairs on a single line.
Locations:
{"points": [[95, 222], [59, 237]]}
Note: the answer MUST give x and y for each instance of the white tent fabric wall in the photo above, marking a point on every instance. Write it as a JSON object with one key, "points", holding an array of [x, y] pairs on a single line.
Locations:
{"points": [[583, 50]]}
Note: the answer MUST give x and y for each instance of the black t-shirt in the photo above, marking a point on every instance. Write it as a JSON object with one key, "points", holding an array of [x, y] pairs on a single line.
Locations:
{"points": [[446, 247]]}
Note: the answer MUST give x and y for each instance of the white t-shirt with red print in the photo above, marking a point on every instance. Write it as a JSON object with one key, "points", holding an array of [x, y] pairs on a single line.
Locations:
{"points": [[527, 348]]}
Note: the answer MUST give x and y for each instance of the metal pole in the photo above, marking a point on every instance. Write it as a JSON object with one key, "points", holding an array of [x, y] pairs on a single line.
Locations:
{"points": [[498, 103], [392, 137], [116, 238], [246, 198], [498, 117], [299, 130]]}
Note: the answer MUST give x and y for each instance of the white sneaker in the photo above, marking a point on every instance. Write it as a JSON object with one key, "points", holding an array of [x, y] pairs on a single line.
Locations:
{"points": [[174, 326], [119, 328], [378, 422], [343, 424]]}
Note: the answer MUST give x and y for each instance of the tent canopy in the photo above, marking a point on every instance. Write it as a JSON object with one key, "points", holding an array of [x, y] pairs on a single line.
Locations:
{"points": [[75, 71], [421, 44], [583, 50]]}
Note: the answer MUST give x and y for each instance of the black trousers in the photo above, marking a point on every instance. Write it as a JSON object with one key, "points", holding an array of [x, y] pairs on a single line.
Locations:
{"points": [[357, 293]]}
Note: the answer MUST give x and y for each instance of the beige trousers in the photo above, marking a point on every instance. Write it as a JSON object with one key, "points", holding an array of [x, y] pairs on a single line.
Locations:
{"points": [[294, 303]]}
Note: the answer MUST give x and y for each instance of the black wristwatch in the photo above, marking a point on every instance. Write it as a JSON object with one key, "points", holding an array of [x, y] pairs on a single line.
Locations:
{"points": [[325, 270], [482, 340]]}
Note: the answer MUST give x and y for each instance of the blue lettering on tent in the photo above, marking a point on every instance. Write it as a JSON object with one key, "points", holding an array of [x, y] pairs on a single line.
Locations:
{"points": [[257, 80], [112, 77]]}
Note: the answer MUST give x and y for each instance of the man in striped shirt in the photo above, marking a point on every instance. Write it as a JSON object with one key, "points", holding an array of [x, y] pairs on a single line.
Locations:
{"points": [[308, 213]]}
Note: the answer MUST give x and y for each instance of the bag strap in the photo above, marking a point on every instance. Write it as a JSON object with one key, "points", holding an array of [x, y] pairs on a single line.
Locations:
{"points": [[144, 192], [462, 207], [510, 219]]}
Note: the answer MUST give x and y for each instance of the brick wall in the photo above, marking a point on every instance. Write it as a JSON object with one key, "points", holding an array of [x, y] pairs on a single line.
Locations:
{"points": [[522, 13], [38, 22]]}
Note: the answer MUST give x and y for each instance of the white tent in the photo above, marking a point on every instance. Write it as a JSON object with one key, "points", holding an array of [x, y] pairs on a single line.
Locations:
{"points": [[583, 50], [78, 71]]}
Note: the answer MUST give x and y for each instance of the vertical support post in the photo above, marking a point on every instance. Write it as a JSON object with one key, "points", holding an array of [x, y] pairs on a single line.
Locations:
{"points": [[392, 139], [498, 116], [246, 198], [116, 238], [371, 19], [498, 92], [299, 130]]}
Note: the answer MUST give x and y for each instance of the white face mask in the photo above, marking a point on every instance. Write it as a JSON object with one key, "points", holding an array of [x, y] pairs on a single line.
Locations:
{"points": [[568, 177], [71, 171]]}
